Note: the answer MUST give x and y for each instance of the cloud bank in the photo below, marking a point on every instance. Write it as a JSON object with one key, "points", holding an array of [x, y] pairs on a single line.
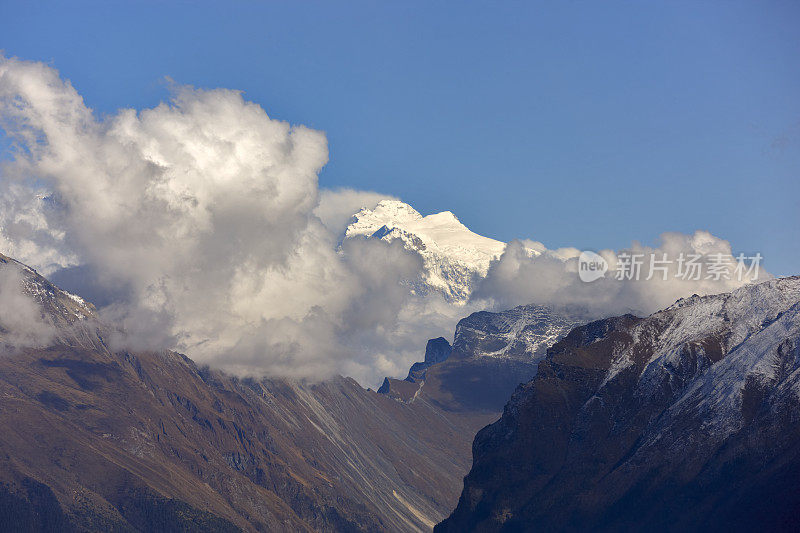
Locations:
{"points": [[202, 222], [551, 276]]}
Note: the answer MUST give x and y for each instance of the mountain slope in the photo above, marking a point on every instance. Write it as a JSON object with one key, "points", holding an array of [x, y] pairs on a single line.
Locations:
{"points": [[455, 258], [685, 420], [114, 441]]}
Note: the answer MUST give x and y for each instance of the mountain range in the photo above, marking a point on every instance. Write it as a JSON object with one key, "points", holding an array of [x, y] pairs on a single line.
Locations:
{"points": [[100, 439], [686, 420]]}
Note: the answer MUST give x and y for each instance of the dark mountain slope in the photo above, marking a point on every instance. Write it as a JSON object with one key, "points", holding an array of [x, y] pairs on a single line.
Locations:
{"points": [[112, 441], [686, 420]]}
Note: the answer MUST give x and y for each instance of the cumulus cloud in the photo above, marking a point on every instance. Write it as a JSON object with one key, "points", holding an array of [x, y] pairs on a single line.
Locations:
{"points": [[26, 229], [551, 276], [203, 218]]}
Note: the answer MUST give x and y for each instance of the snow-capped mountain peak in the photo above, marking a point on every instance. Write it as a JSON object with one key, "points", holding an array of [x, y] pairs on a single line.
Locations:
{"points": [[455, 258], [393, 212]]}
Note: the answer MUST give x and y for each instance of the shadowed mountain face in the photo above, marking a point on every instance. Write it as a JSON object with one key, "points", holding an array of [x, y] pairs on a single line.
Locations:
{"points": [[686, 420], [103, 431], [100, 440], [436, 351]]}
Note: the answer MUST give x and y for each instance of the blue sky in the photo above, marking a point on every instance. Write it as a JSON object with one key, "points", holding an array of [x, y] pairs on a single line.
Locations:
{"points": [[587, 124]]}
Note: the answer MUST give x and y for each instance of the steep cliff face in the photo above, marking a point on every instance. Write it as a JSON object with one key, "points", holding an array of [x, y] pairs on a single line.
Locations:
{"points": [[687, 419], [436, 351], [100, 440]]}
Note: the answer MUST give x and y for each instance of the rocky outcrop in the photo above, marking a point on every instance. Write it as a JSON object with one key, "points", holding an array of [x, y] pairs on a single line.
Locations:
{"points": [[523, 333], [685, 420], [437, 351]]}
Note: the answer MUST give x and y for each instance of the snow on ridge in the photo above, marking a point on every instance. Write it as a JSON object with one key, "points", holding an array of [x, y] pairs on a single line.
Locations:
{"points": [[750, 323], [387, 212], [75, 298], [732, 318], [742, 312], [717, 396]]}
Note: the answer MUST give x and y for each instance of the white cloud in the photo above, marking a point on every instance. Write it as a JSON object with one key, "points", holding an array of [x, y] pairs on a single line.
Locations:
{"points": [[519, 277], [203, 217]]}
